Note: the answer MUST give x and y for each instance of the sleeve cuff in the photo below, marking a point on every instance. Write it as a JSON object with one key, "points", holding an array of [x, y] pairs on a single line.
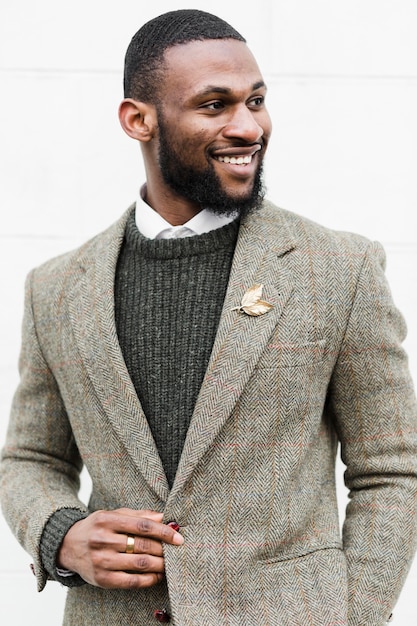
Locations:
{"points": [[52, 537]]}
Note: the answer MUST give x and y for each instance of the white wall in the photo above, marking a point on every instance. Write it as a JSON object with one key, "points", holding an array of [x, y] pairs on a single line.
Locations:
{"points": [[342, 78]]}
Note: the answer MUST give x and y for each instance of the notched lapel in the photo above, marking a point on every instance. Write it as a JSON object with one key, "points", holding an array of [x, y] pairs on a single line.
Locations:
{"points": [[91, 308], [240, 338]]}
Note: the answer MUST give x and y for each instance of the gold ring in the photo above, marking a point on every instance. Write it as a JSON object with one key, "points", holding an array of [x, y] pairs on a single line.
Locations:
{"points": [[130, 544]]}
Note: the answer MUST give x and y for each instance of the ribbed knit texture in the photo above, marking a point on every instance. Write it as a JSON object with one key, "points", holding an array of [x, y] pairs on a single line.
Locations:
{"points": [[54, 532], [168, 299]]}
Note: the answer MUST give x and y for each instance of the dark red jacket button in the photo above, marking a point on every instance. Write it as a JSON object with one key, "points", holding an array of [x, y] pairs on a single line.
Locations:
{"points": [[174, 525], [162, 616]]}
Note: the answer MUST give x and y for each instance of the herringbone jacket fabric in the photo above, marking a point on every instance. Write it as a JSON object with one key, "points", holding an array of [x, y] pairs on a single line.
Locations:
{"points": [[254, 492]]}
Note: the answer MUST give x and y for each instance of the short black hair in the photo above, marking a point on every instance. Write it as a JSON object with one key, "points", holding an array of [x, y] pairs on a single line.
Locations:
{"points": [[145, 54]]}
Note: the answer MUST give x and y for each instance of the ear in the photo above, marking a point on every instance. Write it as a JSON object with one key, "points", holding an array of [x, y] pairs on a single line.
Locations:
{"points": [[138, 119]]}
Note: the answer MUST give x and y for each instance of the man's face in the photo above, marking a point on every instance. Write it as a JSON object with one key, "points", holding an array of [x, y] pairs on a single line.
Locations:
{"points": [[213, 127]]}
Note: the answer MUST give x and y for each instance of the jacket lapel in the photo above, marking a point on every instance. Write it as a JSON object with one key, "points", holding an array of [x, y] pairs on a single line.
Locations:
{"points": [[240, 339], [91, 308]]}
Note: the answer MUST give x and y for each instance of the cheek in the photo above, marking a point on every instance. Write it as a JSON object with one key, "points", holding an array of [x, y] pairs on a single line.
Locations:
{"points": [[193, 148], [188, 142]]}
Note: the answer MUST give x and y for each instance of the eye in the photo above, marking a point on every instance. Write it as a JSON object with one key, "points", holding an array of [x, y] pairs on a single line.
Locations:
{"points": [[214, 106], [257, 102]]}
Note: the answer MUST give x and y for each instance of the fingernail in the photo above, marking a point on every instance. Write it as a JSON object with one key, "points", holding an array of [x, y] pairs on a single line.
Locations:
{"points": [[178, 539]]}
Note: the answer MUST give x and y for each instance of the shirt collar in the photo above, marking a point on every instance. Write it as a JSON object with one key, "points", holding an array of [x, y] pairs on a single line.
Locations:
{"points": [[153, 226]]}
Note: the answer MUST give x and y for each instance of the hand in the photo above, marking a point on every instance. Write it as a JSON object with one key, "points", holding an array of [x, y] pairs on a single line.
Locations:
{"points": [[95, 548]]}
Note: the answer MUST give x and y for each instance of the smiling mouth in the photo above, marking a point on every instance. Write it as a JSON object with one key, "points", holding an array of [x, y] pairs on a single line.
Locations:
{"points": [[235, 156], [235, 160]]}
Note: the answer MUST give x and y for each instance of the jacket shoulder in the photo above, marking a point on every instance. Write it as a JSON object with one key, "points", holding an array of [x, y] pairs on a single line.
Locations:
{"points": [[307, 233], [73, 261]]}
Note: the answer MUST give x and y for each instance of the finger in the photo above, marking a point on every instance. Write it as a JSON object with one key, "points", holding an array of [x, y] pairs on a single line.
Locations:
{"points": [[132, 563], [140, 581], [153, 515], [141, 545], [140, 563], [127, 580], [162, 532], [146, 527]]}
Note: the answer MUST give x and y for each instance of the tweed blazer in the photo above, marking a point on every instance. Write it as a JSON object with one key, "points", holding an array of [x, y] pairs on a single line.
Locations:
{"points": [[254, 493]]}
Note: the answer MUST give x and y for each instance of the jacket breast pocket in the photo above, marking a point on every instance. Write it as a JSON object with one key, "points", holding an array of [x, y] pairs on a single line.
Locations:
{"points": [[288, 354]]}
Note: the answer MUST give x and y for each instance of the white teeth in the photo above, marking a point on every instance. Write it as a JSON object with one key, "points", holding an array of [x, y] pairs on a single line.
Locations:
{"points": [[241, 160]]}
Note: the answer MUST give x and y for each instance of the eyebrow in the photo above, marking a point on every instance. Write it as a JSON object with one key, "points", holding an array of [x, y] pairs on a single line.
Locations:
{"points": [[226, 90]]}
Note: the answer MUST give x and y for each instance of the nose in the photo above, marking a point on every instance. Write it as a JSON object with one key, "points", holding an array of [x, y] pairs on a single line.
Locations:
{"points": [[243, 125]]}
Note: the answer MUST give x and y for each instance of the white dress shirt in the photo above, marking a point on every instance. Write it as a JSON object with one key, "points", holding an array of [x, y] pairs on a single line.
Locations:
{"points": [[153, 226]]}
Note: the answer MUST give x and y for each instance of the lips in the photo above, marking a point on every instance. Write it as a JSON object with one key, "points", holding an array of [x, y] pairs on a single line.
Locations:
{"points": [[237, 155]]}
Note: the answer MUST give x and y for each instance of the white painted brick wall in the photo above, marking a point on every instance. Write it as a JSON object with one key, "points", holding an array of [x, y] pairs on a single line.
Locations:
{"points": [[342, 81]]}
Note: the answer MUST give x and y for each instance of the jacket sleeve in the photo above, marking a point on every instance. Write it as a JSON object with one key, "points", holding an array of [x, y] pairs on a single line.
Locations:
{"points": [[40, 464], [376, 417]]}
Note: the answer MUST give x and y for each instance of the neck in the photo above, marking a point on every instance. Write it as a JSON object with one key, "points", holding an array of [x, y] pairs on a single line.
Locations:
{"points": [[175, 212], [175, 209]]}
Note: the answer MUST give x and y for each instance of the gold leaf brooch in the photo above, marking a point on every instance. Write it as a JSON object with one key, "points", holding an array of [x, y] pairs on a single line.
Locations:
{"points": [[252, 303]]}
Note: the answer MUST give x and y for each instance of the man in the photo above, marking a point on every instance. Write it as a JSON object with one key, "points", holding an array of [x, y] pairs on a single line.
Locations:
{"points": [[203, 358]]}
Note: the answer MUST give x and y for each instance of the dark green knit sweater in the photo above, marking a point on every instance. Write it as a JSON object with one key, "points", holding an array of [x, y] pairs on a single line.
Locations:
{"points": [[168, 299]]}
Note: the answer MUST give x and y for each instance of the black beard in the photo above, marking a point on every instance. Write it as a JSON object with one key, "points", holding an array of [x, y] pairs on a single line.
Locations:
{"points": [[204, 187]]}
